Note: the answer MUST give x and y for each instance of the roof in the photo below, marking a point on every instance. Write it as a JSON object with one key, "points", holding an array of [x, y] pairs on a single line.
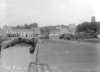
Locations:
{"points": [[22, 30]]}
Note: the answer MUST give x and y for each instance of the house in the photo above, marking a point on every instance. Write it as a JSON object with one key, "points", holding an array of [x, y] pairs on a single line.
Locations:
{"points": [[63, 29], [70, 29], [36, 31], [54, 34], [25, 33]]}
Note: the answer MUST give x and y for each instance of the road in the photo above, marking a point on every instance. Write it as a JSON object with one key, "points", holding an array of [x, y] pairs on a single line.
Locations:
{"points": [[61, 57], [71, 56]]}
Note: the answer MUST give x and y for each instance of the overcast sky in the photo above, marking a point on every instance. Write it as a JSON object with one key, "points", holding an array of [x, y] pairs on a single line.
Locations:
{"points": [[47, 12]]}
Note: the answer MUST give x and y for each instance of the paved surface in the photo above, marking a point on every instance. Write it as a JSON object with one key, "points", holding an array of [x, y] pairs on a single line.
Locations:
{"points": [[61, 57], [71, 56]]}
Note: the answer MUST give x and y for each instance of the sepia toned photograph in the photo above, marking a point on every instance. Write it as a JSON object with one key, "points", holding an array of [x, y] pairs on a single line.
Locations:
{"points": [[49, 36]]}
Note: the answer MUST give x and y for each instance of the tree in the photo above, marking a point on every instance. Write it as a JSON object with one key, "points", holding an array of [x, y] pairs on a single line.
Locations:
{"points": [[87, 28], [98, 27], [27, 26], [34, 25], [19, 27]]}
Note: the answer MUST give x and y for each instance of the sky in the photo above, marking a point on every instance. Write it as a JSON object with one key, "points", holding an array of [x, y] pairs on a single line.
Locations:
{"points": [[48, 12]]}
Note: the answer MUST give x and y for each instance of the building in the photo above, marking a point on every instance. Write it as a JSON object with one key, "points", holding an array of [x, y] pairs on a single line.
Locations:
{"points": [[72, 28], [63, 29], [36, 31], [24, 33], [60, 30], [93, 19], [54, 34]]}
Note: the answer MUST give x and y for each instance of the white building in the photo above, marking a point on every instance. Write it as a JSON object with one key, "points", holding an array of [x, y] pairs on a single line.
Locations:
{"points": [[29, 33], [63, 29], [72, 28], [36, 31], [54, 34]]}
